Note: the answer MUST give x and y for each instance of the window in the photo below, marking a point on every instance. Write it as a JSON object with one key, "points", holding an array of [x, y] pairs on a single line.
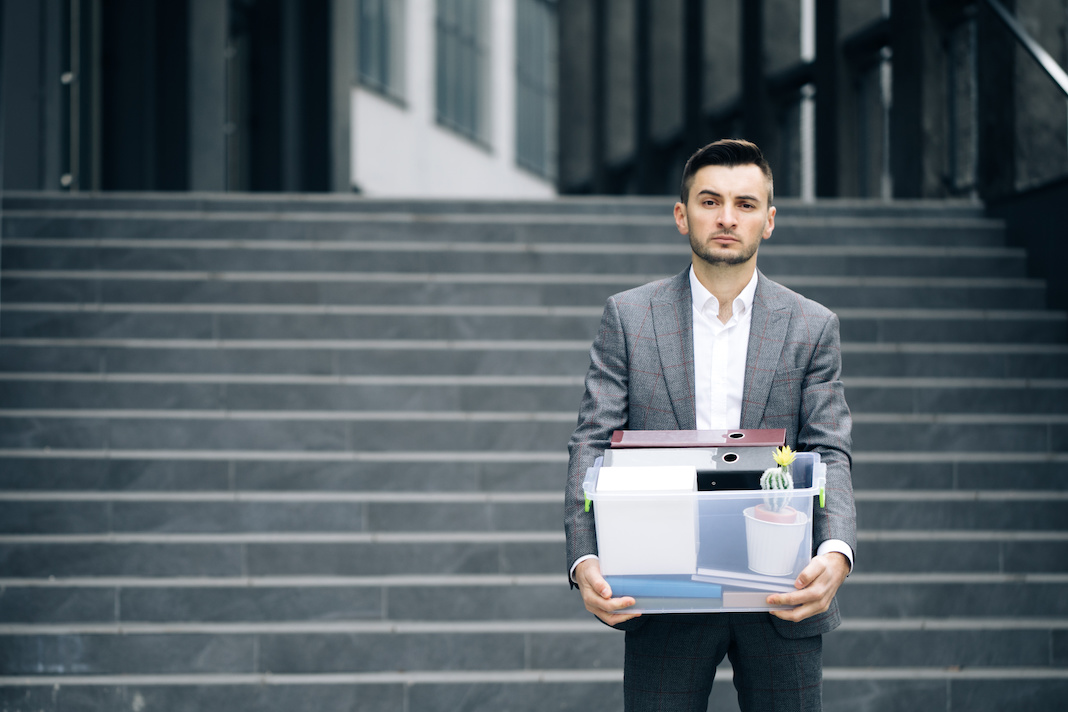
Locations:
{"points": [[462, 67], [535, 67], [381, 46]]}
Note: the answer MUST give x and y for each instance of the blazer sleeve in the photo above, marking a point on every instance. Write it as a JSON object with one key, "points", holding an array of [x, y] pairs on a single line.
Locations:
{"points": [[825, 426], [603, 410]]}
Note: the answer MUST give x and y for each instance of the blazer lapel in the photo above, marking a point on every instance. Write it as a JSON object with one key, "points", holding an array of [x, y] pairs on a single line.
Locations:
{"points": [[767, 333], [672, 312]]}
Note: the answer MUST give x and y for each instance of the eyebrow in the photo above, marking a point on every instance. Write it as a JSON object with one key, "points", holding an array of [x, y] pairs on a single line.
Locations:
{"points": [[714, 194]]}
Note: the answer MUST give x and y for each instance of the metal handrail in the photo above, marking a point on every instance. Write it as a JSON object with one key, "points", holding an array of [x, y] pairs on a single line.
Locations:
{"points": [[1048, 63]]}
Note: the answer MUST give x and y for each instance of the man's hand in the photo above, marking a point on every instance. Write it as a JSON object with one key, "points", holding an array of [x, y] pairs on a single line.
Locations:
{"points": [[816, 585], [597, 594]]}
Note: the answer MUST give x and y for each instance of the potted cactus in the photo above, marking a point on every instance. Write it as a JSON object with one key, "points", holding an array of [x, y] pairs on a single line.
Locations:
{"points": [[774, 530], [776, 481]]}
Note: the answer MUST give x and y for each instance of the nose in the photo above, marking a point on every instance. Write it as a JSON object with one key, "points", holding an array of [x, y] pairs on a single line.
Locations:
{"points": [[727, 216]]}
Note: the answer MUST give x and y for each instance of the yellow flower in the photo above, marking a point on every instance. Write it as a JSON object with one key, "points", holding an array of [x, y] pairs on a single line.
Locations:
{"points": [[784, 456]]}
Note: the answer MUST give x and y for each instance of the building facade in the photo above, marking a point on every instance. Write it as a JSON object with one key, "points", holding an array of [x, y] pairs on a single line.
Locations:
{"points": [[455, 98], [442, 98], [874, 99]]}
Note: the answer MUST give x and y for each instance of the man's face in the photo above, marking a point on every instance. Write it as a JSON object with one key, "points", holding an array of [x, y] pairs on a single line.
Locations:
{"points": [[727, 214]]}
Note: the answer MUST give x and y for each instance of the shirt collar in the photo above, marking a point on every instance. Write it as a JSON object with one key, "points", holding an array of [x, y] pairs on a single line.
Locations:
{"points": [[743, 303]]}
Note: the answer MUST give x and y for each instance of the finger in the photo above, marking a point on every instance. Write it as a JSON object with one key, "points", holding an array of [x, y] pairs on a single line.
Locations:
{"points": [[597, 585], [801, 607], [593, 588], [809, 574], [802, 604], [612, 618], [617, 618], [618, 613], [795, 598], [807, 590], [794, 615], [598, 595], [616, 606], [610, 605], [805, 604]]}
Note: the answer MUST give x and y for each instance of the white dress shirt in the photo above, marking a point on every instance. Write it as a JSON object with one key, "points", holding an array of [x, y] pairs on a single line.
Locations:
{"points": [[719, 355]]}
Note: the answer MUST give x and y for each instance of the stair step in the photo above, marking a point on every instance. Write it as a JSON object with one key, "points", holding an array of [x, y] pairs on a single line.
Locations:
{"points": [[448, 552], [375, 692], [107, 395], [343, 433], [883, 690], [947, 470], [982, 360], [306, 356], [353, 649], [288, 513], [102, 262], [883, 595], [191, 471], [300, 394], [370, 431], [1036, 596], [833, 292], [289, 653], [273, 204], [892, 230], [481, 322], [477, 357], [277, 512], [973, 689]]}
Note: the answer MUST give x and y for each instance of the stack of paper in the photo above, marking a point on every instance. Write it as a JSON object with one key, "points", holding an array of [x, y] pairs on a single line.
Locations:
{"points": [[641, 527]]}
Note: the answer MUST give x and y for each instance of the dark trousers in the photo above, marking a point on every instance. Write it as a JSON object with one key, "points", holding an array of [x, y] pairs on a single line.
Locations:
{"points": [[671, 662]]}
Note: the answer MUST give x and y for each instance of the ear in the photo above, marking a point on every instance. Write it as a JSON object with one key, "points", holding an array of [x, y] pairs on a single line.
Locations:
{"points": [[681, 221], [770, 226]]}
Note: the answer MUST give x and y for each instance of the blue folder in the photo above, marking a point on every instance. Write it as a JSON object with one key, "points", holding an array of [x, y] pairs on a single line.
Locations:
{"points": [[663, 587]]}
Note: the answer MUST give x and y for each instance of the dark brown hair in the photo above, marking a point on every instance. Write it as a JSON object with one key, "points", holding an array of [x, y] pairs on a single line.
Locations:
{"points": [[730, 152]]}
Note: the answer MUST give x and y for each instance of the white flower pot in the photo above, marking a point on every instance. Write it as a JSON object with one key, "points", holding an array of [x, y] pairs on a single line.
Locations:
{"points": [[773, 546]]}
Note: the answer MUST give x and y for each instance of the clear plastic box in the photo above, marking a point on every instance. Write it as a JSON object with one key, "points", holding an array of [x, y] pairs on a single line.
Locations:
{"points": [[735, 559]]}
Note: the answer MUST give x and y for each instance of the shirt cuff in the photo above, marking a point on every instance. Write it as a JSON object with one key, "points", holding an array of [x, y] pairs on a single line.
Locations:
{"points": [[836, 545], [579, 560]]}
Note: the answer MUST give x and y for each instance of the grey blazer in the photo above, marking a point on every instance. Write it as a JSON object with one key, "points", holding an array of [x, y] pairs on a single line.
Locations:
{"points": [[641, 378]]}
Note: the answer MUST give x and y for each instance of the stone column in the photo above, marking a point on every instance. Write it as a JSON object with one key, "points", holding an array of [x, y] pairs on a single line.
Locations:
{"points": [[207, 95], [342, 79]]}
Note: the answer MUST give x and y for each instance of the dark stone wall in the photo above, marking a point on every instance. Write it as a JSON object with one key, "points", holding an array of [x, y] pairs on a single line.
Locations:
{"points": [[1036, 221]]}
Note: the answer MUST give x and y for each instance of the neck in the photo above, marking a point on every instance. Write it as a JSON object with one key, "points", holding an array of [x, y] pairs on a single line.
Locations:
{"points": [[724, 282]]}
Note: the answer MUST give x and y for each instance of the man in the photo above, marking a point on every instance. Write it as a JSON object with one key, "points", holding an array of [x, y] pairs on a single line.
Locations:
{"points": [[720, 346]]}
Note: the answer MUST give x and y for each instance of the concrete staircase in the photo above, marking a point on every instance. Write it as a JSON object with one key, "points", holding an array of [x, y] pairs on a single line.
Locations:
{"points": [[294, 453]]}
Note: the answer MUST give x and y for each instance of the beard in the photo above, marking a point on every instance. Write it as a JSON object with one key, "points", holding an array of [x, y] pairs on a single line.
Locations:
{"points": [[730, 258]]}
